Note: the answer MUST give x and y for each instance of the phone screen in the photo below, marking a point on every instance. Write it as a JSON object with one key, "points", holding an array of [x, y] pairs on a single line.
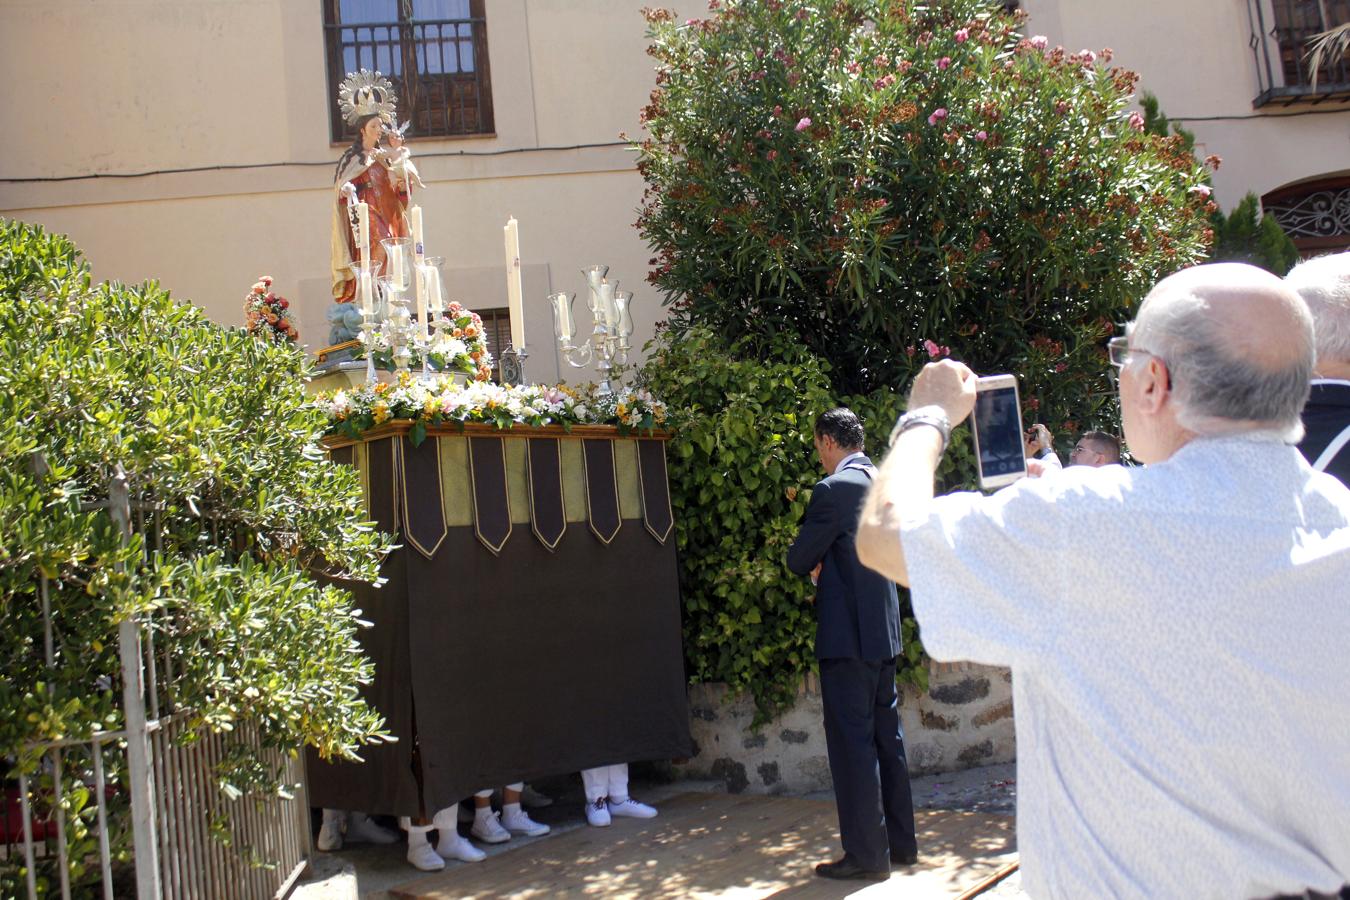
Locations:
{"points": [[999, 426]]}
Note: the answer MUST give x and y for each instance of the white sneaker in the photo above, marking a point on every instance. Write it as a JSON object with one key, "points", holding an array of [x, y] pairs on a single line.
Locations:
{"points": [[597, 813], [532, 799], [361, 827], [451, 845], [631, 808], [423, 856], [330, 833], [517, 821], [488, 829]]}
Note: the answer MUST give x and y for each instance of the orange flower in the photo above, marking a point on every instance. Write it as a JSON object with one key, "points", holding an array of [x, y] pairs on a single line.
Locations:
{"points": [[470, 331]]}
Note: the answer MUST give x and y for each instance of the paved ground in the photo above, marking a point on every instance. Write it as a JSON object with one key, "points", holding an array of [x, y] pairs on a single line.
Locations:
{"points": [[368, 872]]}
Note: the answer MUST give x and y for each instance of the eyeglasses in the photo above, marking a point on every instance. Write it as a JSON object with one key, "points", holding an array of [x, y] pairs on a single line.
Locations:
{"points": [[1120, 352]]}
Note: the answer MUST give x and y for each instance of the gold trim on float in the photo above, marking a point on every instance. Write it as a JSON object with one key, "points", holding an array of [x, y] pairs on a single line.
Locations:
{"points": [[534, 519], [642, 492], [590, 507], [506, 493], [479, 429], [407, 516]]}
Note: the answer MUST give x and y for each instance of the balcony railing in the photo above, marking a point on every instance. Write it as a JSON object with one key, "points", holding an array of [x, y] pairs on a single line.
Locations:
{"points": [[439, 68], [1281, 31]]}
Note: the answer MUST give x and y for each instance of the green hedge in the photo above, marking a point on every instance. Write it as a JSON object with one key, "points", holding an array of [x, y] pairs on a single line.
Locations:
{"points": [[213, 424]]}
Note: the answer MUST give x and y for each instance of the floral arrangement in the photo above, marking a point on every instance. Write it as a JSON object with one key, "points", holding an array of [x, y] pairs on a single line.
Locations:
{"points": [[268, 316], [351, 412], [457, 345]]}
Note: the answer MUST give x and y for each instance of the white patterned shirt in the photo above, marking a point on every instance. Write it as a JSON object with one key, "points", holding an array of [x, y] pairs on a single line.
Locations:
{"points": [[1177, 635]]}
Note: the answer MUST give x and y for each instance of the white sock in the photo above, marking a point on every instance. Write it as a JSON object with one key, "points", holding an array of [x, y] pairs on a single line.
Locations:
{"points": [[482, 812], [510, 809], [417, 835]]}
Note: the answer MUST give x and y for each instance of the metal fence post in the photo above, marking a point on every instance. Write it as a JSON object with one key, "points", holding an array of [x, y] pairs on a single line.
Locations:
{"points": [[144, 836]]}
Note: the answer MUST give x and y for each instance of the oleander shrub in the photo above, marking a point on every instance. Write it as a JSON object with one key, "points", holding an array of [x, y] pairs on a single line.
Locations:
{"points": [[209, 423], [851, 188]]}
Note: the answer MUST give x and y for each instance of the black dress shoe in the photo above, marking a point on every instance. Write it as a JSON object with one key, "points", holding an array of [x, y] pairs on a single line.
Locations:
{"points": [[847, 869], [909, 860]]}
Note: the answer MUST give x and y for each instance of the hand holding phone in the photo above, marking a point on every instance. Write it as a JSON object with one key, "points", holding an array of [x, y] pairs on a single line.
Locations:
{"points": [[948, 384], [997, 429]]}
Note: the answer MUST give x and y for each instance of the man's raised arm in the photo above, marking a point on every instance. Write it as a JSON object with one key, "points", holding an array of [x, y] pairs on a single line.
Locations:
{"points": [[904, 484]]}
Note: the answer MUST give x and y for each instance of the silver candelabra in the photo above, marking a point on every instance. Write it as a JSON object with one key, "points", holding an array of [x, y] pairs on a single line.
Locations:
{"points": [[611, 312]]}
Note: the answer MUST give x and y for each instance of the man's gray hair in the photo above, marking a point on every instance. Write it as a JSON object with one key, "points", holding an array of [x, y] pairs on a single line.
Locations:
{"points": [[1216, 391], [1324, 284]]}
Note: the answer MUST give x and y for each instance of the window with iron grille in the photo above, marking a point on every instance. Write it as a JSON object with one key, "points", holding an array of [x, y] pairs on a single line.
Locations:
{"points": [[497, 331], [434, 51]]}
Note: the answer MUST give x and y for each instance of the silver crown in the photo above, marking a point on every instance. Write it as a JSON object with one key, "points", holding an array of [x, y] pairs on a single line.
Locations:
{"points": [[367, 93]]}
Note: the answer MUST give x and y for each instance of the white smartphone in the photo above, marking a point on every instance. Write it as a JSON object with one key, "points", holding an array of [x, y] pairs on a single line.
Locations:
{"points": [[997, 428]]}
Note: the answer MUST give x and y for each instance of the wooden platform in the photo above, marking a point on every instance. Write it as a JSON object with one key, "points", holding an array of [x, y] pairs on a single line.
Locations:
{"points": [[719, 845]]}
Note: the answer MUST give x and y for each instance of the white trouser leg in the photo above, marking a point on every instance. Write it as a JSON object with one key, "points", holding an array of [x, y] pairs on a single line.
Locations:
{"points": [[596, 782], [617, 777]]}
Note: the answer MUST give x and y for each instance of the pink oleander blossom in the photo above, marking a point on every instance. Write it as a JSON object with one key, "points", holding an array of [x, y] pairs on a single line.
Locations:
{"points": [[944, 62], [1039, 41], [1136, 120], [962, 35], [981, 135], [1203, 190], [804, 123], [938, 115], [936, 350]]}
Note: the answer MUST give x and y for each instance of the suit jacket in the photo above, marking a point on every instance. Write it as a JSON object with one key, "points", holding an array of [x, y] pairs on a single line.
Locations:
{"points": [[857, 610], [1327, 420]]}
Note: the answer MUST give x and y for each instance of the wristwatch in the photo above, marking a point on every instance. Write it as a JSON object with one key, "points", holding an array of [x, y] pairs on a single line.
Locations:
{"points": [[935, 416]]}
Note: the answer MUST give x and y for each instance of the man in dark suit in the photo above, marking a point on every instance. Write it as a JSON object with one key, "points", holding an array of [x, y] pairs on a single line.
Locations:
{"points": [[857, 641], [1324, 284]]}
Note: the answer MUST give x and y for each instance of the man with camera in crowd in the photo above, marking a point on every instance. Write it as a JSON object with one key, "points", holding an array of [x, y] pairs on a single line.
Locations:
{"points": [[1182, 726]]}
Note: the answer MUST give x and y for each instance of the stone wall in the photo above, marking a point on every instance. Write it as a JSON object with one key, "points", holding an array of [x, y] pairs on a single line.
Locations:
{"points": [[964, 720]]}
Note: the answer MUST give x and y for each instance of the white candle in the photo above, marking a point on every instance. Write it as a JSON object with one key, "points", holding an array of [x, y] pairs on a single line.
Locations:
{"points": [[420, 273], [397, 272], [363, 234], [415, 218], [364, 289], [513, 290]]}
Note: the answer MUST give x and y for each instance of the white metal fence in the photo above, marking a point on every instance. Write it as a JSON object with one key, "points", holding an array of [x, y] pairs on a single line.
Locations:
{"points": [[151, 820]]}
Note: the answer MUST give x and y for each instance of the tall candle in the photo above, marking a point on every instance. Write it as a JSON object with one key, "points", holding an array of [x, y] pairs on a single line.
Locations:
{"points": [[364, 288], [513, 289], [420, 273], [363, 237], [415, 218]]}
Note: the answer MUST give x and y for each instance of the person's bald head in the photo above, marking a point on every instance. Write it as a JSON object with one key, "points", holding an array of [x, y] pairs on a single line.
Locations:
{"points": [[1237, 343], [1324, 284]]}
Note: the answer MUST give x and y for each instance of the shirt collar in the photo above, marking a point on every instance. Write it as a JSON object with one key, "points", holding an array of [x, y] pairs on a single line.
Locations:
{"points": [[848, 459]]}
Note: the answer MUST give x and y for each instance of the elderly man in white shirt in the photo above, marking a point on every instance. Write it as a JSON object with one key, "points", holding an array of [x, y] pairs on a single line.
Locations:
{"points": [[1183, 715]]}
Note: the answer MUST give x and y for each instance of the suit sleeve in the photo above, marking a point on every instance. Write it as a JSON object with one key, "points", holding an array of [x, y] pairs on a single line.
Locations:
{"points": [[820, 528]]}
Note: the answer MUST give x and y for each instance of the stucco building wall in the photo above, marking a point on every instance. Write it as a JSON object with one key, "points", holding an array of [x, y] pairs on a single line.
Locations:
{"points": [[1196, 57], [155, 85]]}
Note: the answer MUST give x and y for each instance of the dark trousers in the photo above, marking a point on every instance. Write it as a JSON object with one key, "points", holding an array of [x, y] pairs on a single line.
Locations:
{"points": [[867, 760]]}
